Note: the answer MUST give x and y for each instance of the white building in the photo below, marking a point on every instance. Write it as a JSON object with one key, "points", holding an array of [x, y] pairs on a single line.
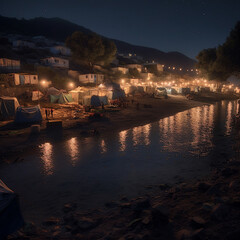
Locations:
{"points": [[23, 78], [157, 66], [123, 70], [137, 66], [146, 76], [9, 64], [91, 78], [60, 50], [55, 62], [22, 43]]}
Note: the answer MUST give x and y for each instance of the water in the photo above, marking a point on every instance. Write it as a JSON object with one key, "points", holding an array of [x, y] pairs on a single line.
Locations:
{"points": [[95, 170]]}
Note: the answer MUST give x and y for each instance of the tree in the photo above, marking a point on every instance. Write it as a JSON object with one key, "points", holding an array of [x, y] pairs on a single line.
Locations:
{"points": [[219, 63], [133, 73], [90, 48]]}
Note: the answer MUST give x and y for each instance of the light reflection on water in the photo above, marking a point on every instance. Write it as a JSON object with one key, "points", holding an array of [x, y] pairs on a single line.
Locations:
{"points": [[46, 156], [122, 163], [73, 148]]}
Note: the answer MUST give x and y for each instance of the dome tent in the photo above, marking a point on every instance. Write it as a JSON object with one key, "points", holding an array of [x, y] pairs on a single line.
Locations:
{"points": [[10, 215], [8, 106]]}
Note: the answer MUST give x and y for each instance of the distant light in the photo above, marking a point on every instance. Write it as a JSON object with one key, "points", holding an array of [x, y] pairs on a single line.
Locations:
{"points": [[71, 84]]}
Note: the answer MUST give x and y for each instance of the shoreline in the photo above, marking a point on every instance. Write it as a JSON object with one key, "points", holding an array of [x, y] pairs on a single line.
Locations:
{"points": [[118, 121]]}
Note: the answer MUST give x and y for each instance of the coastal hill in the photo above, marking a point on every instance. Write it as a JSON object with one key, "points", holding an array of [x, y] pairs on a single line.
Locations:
{"points": [[59, 29]]}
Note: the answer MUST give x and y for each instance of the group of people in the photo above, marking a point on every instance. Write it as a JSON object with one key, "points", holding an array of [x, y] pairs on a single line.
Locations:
{"points": [[48, 113]]}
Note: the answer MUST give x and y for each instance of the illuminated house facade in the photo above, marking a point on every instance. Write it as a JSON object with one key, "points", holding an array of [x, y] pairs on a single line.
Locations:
{"points": [[55, 62], [9, 64], [91, 78]]}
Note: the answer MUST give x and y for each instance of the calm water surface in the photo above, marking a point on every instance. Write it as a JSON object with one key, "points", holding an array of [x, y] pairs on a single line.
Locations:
{"points": [[95, 170]]}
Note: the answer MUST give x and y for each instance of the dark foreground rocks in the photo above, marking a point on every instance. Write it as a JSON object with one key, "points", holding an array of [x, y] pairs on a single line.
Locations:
{"points": [[206, 209]]}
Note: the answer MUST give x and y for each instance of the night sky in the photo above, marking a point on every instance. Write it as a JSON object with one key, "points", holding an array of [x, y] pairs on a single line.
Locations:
{"points": [[187, 26]]}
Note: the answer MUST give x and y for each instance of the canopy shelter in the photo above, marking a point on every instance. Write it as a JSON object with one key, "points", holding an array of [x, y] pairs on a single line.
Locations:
{"points": [[8, 106], [10, 215], [61, 98], [111, 90], [28, 114]]}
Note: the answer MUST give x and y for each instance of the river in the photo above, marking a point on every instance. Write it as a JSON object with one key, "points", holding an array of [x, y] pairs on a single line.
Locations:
{"points": [[94, 170]]}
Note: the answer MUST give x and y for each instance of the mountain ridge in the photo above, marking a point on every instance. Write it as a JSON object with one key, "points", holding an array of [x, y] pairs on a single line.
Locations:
{"points": [[59, 29]]}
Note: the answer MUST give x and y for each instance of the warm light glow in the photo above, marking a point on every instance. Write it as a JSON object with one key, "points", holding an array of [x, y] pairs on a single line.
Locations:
{"points": [[46, 152]]}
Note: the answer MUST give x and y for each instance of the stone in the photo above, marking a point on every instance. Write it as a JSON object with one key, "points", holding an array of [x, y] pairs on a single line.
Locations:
{"points": [[234, 185], [220, 212], [215, 190], [50, 222], [160, 214], [140, 204], [111, 204], [85, 223], [183, 234], [227, 172], [68, 207], [198, 234], [235, 235], [163, 186], [208, 207], [30, 228], [197, 222], [203, 186]]}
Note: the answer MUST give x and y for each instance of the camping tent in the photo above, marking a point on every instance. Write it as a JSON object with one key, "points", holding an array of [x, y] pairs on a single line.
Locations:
{"points": [[103, 99], [112, 90], [61, 98], [8, 106], [92, 101], [10, 216], [28, 114], [172, 91], [36, 95], [53, 91]]}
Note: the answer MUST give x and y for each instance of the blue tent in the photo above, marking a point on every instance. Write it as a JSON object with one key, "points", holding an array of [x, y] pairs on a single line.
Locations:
{"points": [[28, 114], [10, 215], [95, 101], [103, 99]]}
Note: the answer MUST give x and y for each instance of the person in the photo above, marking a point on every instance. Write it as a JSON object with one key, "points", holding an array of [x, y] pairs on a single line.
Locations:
{"points": [[46, 113], [137, 105], [52, 112]]}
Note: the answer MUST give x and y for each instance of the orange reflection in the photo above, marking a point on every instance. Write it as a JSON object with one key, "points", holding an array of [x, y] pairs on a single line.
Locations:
{"points": [[146, 132], [229, 117], [73, 150], [136, 135], [122, 140], [103, 146], [47, 150]]}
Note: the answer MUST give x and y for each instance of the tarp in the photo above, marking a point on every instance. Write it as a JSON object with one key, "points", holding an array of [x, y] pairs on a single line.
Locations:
{"points": [[10, 216], [65, 98], [103, 99], [171, 91], [53, 91], [61, 98], [28, 114], [36, 95], [95, 101], [116, 94], [8, 106]]}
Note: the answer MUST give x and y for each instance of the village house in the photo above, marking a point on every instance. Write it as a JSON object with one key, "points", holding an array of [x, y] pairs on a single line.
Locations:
{"points": [[91, 78], [55, 62], [137, 66], [9, 64], [22, 43], [23, 78], [153, 66], [146, 76], [123, 70], [60, 50]]}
